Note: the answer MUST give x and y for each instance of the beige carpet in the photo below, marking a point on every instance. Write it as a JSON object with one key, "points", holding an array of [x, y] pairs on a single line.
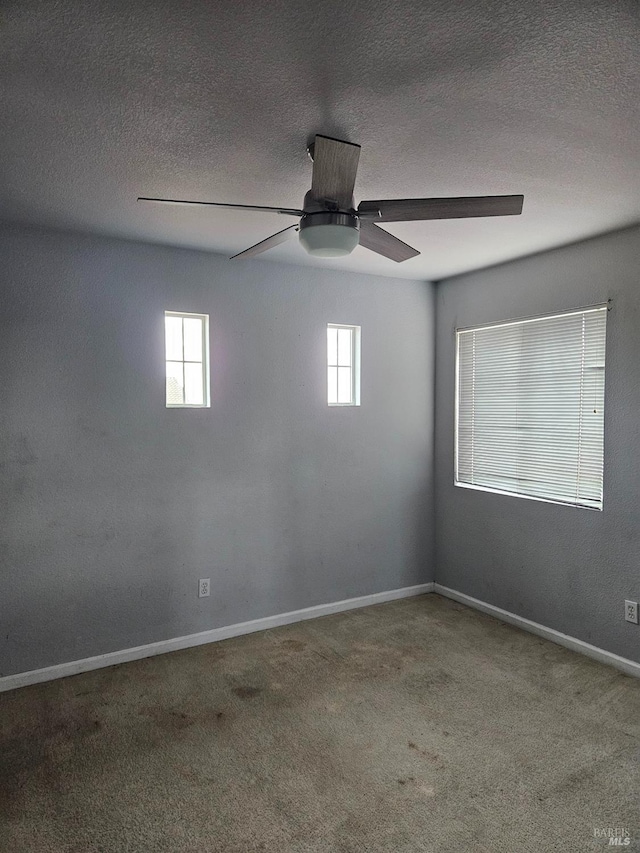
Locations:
{"points": [[413, 726]]}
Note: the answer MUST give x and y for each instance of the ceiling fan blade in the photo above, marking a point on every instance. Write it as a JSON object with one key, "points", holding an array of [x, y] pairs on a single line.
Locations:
{"points": [[286, 210], [269, 243], [406, 209], [380, 241], [335, 164]]}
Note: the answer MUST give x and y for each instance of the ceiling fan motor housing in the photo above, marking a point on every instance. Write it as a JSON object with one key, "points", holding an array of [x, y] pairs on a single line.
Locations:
{"points": [[329, 234]]}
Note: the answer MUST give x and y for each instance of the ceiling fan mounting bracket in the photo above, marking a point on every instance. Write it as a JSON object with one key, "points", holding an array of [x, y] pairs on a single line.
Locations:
{"points": [[370, 214]]}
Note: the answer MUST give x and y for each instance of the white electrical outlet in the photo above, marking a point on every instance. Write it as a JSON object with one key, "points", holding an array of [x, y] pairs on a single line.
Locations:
{"points": [[204, 587], [631, 611]]}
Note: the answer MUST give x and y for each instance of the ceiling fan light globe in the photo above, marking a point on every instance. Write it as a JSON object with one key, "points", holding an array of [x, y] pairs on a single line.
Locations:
{"points": [[329, 241]]}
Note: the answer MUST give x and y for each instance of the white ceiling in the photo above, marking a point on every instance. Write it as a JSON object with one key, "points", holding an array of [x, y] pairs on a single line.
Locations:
{"points": [[104, 101]]}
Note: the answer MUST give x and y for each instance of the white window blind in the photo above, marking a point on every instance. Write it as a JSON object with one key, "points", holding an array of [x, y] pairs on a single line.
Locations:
{"points": [[530, 407]]}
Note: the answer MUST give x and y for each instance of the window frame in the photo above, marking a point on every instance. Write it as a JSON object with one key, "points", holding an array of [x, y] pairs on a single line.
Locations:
{"points": [[355, 364], [205, 360], [600, 306]]}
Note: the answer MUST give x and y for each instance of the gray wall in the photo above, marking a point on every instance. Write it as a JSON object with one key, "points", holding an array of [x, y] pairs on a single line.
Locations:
{"points": [[567, 568], [113, 506]]}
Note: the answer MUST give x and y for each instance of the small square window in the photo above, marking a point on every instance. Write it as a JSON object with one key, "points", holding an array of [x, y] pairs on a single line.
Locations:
{"points": [[186, 359], [343, 365]]}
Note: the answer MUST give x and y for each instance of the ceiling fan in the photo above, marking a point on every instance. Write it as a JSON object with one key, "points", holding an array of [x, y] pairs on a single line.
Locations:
{"points": [[331, 227]]}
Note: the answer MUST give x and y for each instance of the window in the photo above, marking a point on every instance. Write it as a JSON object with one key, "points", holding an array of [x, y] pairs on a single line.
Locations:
{"points": [[343, 365], [530, 407], [187, 359]]}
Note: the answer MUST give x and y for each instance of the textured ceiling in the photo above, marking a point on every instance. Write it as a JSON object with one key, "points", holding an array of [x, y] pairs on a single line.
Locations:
{"points": [[104, 101]]}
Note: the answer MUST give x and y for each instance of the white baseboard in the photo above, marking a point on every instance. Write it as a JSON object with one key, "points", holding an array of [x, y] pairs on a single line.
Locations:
{"points": [[627, 666], [61, 670]]}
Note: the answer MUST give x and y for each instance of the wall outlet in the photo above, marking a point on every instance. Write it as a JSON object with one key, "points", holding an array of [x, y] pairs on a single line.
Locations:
{"points": [[631, 611], [204, 587]]}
